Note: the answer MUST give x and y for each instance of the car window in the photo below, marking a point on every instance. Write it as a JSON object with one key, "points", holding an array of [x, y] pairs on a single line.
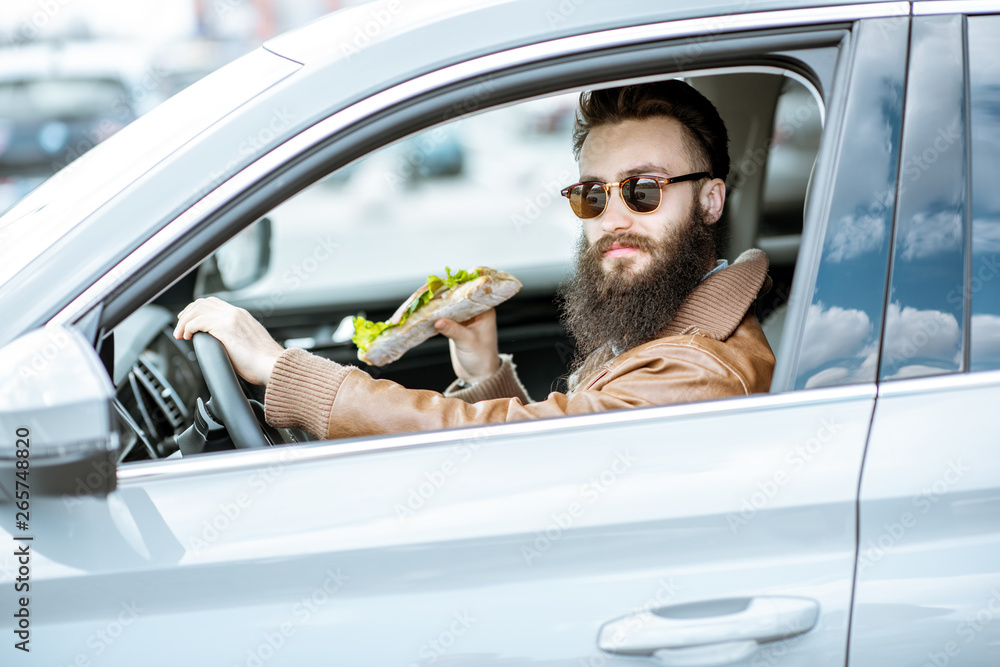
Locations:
{"points": [[481, 189], [843, 325], [984, 286], [925, 320]]}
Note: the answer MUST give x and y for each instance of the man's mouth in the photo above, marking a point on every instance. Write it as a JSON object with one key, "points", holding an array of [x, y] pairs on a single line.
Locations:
{"points": [[619, 250]]}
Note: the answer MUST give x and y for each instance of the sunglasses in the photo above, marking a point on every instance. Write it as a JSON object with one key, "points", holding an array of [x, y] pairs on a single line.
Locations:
{"points": [[642, 194]]}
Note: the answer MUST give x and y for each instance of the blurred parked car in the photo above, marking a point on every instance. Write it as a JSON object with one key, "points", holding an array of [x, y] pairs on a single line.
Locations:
{"points": [[57, 101], [847, 517]]}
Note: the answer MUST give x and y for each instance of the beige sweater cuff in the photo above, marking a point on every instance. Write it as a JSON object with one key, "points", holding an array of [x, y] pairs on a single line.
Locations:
{"points": [[502, 384], [301, 391]]}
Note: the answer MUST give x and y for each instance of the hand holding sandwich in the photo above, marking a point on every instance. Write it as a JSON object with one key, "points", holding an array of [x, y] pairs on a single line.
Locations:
{"points": [[473, 344]]}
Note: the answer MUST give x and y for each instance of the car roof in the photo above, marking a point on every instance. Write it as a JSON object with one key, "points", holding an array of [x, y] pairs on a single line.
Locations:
{"points": [[447, 25]]}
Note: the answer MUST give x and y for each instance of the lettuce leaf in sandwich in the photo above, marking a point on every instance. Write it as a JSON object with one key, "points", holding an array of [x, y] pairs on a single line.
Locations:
{"points": [[366, 331]]}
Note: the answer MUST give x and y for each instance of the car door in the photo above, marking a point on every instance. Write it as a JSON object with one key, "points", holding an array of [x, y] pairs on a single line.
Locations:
{"points": [[714, 533], [928, 580]]}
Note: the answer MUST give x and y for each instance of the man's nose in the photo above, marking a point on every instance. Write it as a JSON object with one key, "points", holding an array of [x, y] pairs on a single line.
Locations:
{"points": [[617, 216]]}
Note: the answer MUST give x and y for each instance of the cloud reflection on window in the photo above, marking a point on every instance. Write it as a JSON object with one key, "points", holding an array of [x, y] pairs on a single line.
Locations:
{"points": [[839, 350], [920, 342], [986, 235], [856, 235], [927, 235], [985, 340]]}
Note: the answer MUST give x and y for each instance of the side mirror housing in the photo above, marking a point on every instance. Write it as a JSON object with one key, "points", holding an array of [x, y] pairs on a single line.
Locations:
{"points": [[239, 262], [57, 435]]}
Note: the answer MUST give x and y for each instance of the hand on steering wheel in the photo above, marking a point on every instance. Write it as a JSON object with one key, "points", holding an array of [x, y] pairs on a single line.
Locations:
{"points": [[251, 349], [228, 339]]}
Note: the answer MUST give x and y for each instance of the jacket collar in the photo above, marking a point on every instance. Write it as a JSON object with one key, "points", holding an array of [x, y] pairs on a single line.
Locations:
{"points": [[717, 306]]}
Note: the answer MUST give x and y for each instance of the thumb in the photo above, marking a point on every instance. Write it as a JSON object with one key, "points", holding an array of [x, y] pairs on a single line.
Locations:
{"points": [[450, 328]]}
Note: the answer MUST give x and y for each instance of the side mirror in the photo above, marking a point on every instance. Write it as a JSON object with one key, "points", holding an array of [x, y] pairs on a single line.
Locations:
{"points": [[239, 262], [57, 432]]}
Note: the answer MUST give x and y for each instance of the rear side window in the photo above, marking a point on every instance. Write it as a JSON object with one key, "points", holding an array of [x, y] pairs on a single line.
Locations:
{"points": [[984, 281], [925, 315]]}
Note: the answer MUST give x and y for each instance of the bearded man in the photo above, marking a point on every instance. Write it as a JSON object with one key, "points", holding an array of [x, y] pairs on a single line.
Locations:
{"points": [[657, 319]]}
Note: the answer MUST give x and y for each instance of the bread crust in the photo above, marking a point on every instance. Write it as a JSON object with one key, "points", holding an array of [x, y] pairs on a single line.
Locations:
{"points": [[467, 300]]}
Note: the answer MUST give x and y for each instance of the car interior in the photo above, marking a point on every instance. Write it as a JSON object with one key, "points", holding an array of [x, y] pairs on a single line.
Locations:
{"points": [[482, 189]]}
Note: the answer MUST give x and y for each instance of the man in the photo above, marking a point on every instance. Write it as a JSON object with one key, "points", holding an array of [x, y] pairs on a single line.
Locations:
{"points": [[656, 318]]}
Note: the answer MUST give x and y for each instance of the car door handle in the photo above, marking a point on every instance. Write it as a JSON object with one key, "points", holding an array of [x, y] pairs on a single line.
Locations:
{"points": [[711, 632]]}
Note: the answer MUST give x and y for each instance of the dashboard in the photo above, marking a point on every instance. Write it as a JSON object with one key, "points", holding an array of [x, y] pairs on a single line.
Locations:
{"points": [[157, 383], [160, 394]]}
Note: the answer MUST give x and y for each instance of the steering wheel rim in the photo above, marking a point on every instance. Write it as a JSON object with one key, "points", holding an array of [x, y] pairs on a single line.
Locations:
{"points": [[230, 403]]}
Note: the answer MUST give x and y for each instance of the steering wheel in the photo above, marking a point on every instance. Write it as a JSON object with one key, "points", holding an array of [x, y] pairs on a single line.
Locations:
{"points": [[229, 403]]}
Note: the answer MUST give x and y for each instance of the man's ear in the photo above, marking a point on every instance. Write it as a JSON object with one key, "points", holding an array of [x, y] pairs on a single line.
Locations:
{"points": [[713, 197]]}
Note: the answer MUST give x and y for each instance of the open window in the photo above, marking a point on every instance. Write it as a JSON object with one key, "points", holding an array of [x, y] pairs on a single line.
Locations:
{"points": [[478, 189], [466, 178], [484, 190]]}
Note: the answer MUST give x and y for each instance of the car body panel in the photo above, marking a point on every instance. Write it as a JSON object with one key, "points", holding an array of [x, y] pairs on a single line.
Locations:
{"points": [[516, 528], [928, 585], [348, 35]]}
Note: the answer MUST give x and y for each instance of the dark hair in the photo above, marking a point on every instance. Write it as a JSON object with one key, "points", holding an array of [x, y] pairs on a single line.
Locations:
{"points": [[675, 99]]}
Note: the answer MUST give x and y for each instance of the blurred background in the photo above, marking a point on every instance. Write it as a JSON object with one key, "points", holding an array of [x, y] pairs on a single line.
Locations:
{"points": [[74, 72]]}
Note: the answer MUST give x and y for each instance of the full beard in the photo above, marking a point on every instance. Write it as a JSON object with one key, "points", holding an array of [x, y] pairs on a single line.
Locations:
{"points": [[610, 311]]}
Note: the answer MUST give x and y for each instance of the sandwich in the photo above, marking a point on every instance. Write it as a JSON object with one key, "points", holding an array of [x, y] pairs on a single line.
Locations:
{"points": [[460, 297]]}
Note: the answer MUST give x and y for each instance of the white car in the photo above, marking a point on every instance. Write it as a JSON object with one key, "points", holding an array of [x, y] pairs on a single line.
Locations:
{"points": [[848, 516]]}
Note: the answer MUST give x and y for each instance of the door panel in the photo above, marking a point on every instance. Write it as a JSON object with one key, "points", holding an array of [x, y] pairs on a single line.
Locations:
{"points": [[928, 587], [493, 546], [928, 581]]}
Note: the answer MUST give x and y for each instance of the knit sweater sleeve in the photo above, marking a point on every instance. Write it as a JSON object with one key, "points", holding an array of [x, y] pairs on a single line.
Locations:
{"points": [[303, 379], [300, 379], [502, 384]]}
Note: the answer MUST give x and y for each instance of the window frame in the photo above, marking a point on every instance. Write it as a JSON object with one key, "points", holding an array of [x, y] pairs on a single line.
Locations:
{"points": [[351, 134]]}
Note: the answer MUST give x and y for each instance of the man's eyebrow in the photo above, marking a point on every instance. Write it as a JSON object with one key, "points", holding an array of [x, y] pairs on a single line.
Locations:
{"points": [[653, 169]]}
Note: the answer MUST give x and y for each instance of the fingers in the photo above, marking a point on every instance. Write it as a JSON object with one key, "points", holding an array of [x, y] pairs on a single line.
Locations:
{"points": [[249, 345], [203, 315], [191, 327], [453, 330], [465, 332]]}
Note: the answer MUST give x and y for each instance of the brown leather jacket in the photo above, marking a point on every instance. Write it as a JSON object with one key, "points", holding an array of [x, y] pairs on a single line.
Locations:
{"points": [[713, 348]]}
